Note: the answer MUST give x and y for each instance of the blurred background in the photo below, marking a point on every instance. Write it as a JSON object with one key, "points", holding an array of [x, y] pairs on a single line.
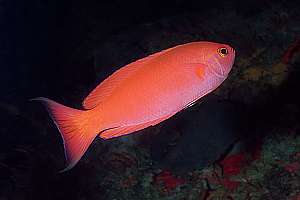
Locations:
{"points": [[240, 142]]}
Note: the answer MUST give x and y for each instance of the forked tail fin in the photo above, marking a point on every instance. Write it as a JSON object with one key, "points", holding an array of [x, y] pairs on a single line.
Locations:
{"points": [[75, 127]]}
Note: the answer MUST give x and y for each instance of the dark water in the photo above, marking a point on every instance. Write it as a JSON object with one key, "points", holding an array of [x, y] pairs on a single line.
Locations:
{"points": [[63, 49]]}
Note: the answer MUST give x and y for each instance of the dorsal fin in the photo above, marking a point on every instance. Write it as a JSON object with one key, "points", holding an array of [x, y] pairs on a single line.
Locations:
{"points": [[104, 89]]}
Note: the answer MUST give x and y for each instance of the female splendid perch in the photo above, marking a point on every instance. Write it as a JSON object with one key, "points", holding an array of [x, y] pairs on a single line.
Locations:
{"points": [[142, 94]]}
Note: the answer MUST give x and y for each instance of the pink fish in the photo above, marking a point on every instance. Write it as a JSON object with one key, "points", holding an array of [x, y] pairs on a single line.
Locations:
{"points": [[142, 94]]}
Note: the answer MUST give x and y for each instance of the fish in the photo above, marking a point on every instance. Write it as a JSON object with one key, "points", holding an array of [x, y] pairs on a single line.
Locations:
{"points": [[141, 94]]}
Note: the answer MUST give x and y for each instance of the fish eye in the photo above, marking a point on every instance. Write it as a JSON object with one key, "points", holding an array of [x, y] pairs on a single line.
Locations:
{"points": [[223, 51]]}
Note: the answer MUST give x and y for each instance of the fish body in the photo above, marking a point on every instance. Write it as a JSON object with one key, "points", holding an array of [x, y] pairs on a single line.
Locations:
{"points": [[142, 94]]}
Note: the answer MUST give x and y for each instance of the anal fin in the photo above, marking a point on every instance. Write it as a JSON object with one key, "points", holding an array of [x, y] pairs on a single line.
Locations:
{"points": [[124, 130]]}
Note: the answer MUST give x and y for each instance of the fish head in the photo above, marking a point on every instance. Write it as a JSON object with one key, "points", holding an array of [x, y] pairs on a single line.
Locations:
{"points": [[219, 58]]}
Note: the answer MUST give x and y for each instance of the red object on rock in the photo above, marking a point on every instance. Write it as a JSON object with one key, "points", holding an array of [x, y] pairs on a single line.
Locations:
{"points": [[169, 180], [230, 184], [290, 52], [232, 164], [292, 167]]}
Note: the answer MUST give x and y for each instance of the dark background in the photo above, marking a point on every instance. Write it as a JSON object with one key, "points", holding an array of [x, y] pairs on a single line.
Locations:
{"points": [[44, 42], [62, 49]]}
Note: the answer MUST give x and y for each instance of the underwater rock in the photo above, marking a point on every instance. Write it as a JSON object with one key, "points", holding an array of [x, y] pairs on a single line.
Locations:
{"points": [[203, 135]]}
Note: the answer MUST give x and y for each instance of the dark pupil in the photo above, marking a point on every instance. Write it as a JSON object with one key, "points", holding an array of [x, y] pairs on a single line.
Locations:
{"points": [[224, 51]]}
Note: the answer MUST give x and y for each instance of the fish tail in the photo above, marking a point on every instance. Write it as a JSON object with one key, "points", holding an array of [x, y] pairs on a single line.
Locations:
{"points": [[75, 127]]}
